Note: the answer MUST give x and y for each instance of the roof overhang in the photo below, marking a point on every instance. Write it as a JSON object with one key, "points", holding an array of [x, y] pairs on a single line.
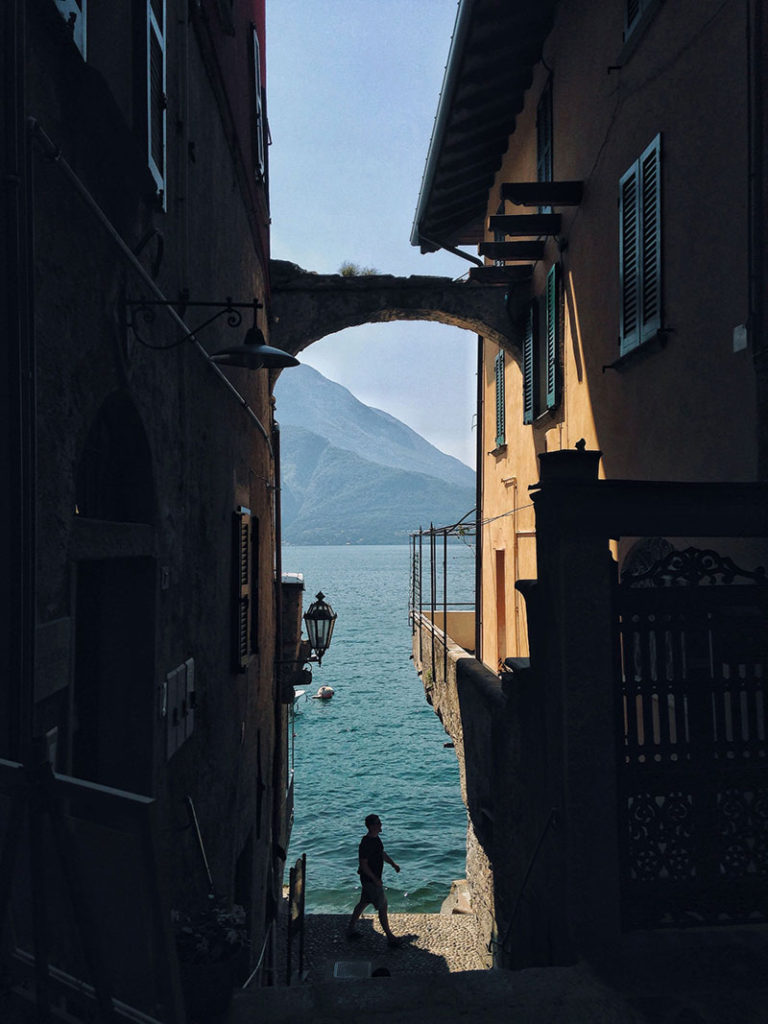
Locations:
{"points": [[494, 48]]}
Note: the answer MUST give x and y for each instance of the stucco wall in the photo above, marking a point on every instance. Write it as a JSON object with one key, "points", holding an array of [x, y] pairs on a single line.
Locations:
{"points": [[654, 417]]}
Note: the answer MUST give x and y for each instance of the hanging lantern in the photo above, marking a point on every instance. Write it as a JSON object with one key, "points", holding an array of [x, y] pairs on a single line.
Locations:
{"points": [[319, 619]]}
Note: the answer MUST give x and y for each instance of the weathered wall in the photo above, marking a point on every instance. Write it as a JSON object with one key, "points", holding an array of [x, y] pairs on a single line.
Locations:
{"points": [[121, 604], [497, 735]]}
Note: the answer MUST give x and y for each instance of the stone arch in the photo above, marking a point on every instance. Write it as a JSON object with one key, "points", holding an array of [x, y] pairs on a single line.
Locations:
{"points": [[306, 307], [114, 478]]}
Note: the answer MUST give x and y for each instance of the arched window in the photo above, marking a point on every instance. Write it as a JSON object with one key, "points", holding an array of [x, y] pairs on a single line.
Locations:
{"points": [[114, 474]]}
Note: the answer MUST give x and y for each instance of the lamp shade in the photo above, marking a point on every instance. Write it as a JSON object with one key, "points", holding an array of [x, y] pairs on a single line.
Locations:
{"points": [[320, 619], [255, 354]]}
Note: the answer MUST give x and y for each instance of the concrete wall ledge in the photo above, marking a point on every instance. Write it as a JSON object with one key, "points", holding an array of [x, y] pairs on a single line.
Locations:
{"points": [[487, 685]]}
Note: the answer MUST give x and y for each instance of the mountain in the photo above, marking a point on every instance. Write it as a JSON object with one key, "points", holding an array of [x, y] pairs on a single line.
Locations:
{"points": [[390, 482], [305, 398]]}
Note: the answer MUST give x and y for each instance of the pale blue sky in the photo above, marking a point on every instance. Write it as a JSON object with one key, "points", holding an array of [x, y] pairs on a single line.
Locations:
{"points": [[352, 91]]}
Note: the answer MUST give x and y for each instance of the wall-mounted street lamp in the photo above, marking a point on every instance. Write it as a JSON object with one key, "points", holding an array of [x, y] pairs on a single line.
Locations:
{"points": [[320, 619], [252, 354]]}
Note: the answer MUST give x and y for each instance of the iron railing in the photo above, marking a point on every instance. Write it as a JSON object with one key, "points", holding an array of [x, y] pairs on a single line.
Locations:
{"points": [[430, 557]]}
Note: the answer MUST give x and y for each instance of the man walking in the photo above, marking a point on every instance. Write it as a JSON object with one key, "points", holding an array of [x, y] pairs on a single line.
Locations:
{"points": [[372, 857]]}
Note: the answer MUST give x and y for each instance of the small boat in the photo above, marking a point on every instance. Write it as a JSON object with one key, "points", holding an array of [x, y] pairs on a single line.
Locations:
{"points": [[324, 693]]}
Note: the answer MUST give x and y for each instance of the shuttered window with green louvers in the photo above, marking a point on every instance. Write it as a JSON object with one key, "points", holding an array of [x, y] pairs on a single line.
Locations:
{"points": [[528, 364], [552, 334], [640, 279], [155, 90], [241, 573], [499, 370], [541, 350]]}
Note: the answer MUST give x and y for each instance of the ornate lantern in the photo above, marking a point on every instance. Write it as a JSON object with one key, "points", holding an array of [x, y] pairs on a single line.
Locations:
{"points": [[320, 619]]}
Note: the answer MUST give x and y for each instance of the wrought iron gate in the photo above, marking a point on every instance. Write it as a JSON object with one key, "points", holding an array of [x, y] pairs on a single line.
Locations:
{"points": [[693, 765]]}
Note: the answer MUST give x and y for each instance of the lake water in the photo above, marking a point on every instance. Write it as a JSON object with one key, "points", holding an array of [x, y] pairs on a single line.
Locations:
{"points": [[376, 746]]}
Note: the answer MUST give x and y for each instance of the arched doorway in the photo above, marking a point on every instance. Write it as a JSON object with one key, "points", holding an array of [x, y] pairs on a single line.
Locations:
{"points": [[114, 603]]}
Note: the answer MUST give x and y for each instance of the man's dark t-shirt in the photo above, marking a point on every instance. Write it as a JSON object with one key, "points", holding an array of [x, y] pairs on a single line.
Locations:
{"points": [[371, 850]]}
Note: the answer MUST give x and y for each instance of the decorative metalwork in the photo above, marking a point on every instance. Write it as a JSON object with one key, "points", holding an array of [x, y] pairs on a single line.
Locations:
{"points": [[693, 763], [692, 567], [146, 309]]}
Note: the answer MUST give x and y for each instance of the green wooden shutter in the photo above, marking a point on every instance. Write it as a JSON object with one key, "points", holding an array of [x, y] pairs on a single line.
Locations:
{"points": [[629, 261], [241, 571], [500, 400], [650, 239], [156, 98], [552, 327], [528, 390]]}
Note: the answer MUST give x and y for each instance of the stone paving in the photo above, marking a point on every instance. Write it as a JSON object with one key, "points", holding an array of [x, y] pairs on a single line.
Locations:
{"points": [[432, 944]]}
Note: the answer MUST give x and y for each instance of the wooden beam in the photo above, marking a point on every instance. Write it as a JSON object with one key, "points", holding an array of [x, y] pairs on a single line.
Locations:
{"points": [[526, 225], [513, 251], [543, 193]]}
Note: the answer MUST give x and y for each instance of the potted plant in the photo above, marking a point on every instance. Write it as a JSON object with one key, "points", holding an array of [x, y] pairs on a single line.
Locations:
{"points": [[211, 943]]}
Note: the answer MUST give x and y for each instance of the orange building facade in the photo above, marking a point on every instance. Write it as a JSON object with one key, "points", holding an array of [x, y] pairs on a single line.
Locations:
{"points": [[629, 291]]}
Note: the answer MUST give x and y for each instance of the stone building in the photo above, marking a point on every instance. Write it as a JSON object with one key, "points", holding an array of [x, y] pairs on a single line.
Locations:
{"points": [[578, 146], [140, 496]]}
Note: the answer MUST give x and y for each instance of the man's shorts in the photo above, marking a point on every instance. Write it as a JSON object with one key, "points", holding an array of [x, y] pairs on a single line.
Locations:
{"points": [[375, 894]]}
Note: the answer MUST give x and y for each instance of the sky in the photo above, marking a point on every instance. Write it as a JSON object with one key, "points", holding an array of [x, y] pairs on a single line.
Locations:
{"points": [[352, 92]]}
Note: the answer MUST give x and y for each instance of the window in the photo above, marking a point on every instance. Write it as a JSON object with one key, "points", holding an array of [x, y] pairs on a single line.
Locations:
{"points": [[640, 250], [242, 575], [155, 92], [541, 350], [500, 415], [74, 13], [633, 14], [638, 15], [544, 163], [258, 128]]}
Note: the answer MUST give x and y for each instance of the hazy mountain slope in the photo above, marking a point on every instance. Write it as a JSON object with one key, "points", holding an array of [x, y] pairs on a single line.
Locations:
{"points": [[307, 399], [332, 496]]}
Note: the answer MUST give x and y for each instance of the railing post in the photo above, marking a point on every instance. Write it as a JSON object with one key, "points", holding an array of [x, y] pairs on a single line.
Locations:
{"points": [[421, 596], [433, 589], [445, 606]]}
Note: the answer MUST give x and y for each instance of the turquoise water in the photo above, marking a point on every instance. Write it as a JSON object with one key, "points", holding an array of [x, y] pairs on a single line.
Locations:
{"points": [[376, 746]]}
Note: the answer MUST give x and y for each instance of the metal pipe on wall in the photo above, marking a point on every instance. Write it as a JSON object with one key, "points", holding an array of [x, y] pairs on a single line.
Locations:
{"points": [[53, 152]]}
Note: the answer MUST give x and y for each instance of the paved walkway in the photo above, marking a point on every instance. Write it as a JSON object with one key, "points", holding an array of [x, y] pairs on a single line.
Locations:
{"points": [[432, 944]]}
